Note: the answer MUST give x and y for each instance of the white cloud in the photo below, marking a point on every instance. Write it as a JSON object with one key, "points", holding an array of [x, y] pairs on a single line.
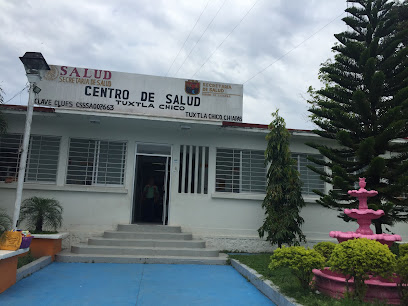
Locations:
{"points": [[144, 37]]}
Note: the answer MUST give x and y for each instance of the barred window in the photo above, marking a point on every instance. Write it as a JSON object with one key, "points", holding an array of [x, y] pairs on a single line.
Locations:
{"points": [[239, 171], [96, 162], [311, 180], [42, 158], [193, 173]]}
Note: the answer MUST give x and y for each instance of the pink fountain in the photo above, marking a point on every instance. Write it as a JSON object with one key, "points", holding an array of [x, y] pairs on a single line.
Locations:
{"points": [[364, 217], [334, 284]]}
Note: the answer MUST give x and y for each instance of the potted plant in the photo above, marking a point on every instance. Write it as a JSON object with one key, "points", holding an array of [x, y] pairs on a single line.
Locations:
{"points": [[39, 214], [5, 221]]}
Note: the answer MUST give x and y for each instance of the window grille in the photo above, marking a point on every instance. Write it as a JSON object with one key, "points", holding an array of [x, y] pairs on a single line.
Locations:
{"points": [[311, 180], [96, 162], [42, 158], [193, 173], [42, 162], [240, 171]]}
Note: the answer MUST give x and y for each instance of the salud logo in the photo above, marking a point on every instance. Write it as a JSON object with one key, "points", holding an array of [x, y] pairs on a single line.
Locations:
{"points": [[52, 74], [192, 87]]}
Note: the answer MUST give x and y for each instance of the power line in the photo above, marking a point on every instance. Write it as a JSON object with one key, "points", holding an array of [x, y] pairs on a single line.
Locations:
{"points": [[25, 87], [226, 38], [200, 37], [187, 37], [262, 70]]}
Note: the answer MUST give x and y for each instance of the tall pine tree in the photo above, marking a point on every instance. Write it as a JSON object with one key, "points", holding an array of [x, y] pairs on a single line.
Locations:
{"points": [[283, 200], [363, 109]]}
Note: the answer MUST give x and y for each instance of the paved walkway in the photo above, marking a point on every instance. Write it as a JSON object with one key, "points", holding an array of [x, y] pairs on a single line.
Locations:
{"points": [[133, 284]]}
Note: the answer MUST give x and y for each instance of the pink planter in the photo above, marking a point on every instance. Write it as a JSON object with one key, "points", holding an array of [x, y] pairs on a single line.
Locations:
{"points": [[334, 284]]}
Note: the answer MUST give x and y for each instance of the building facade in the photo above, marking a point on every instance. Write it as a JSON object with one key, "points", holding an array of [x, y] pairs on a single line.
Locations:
{"points": [[209, 174]]}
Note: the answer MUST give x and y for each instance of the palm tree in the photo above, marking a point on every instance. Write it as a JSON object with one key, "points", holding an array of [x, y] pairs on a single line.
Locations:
{"points": [[3, 122], [5, 221], [41, 212]]}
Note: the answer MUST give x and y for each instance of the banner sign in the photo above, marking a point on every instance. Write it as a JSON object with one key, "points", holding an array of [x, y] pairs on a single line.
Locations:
{"points": [[116, 92]]}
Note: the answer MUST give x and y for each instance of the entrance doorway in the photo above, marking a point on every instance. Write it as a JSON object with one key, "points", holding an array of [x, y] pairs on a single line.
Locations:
{"points": [[152, 182]]}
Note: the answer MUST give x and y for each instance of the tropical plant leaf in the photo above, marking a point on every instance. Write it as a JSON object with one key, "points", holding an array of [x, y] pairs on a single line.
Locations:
{"points": [[5, 221], [41, 212]]}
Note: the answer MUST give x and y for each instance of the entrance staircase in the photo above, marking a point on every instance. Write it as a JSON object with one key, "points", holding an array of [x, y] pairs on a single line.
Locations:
{"points": [[140, 243]]}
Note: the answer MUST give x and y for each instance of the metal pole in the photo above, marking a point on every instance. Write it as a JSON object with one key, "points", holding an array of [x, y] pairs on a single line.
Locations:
{"points": [[23, 156]]}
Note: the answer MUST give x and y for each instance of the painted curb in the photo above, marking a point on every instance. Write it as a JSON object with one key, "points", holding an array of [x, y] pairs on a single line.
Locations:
{"points": [[265, 286], [50, 236], [4, 254], [32, 267]]}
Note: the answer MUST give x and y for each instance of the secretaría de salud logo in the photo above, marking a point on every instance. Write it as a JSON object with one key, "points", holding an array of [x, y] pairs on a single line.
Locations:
{"points": [[52, 74], [192, 87]]}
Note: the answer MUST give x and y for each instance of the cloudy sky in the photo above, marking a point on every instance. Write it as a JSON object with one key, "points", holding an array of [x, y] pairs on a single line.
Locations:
{"points": [[231, 41]]}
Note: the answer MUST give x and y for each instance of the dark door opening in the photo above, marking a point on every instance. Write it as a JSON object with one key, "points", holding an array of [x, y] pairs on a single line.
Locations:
{"points": [[150, 201]]}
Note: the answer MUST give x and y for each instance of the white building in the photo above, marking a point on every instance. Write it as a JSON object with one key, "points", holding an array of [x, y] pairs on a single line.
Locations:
{"points": [[209, 173]]}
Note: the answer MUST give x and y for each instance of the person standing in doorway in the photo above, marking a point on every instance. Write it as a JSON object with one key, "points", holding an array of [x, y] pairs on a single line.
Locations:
{"points": [[150, 195]]}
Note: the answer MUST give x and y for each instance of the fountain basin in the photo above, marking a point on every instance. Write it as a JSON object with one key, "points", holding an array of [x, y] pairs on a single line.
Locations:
{"points": [[362, 193], [364, 213], [387, 239], [334, 284]]}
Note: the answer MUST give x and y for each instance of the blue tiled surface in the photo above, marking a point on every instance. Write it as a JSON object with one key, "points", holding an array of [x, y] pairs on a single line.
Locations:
{"points": [[133, 284]]}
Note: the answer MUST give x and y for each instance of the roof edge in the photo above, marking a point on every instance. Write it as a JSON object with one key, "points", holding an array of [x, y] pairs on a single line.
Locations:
{"points": [[256, 126], [40, 109]]}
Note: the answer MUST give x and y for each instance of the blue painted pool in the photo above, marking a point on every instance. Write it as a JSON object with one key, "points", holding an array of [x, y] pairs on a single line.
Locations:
{"points": [[133, 284]]}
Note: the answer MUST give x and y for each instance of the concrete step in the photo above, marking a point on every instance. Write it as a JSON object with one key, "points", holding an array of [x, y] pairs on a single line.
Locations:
{"points": [[66, 256], [149, 228], [142, 251], [147, 243], [147, 235]]}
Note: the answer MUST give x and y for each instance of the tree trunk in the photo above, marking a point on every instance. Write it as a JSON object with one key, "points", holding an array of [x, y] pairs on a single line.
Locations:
{"points": [[279, 245], [378, 227], [38, 224]]}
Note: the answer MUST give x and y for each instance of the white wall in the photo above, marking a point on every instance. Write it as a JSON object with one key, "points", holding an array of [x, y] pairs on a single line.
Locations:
{"points": [[226, 223]]}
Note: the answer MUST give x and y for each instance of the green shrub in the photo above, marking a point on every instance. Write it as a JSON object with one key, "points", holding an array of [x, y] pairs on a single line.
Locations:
{"points": [[394, 248], [402, 271], [325, 248], [300, 260], [41, 212], [359, 258], [5, 221], [403, 249], [25, 260]]}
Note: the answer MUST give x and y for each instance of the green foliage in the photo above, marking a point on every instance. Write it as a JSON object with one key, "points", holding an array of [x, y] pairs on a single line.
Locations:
{"points": [[402, 271], [394, 248], [402, 16], [5, 221], [39, 212], [403, 249], [289, 285], [25, 260], [359, 258], [300, 260], [283, 200], [363, 109], [325, 248]]}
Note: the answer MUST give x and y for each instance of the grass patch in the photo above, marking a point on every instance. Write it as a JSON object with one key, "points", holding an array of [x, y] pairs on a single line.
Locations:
{"points": [[289, 285], [25, 260]]}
